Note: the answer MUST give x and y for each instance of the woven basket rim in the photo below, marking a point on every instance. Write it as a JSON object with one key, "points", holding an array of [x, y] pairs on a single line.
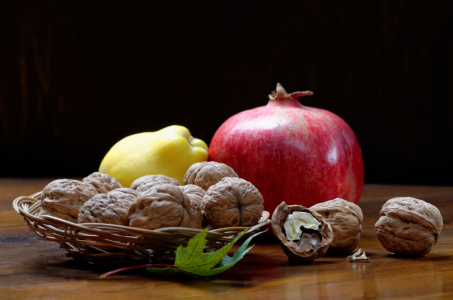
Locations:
{"points": [[94, 241]]}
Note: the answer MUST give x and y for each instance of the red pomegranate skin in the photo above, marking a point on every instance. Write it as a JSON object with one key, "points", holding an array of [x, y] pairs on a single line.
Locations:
{"points": [[292, 153]]}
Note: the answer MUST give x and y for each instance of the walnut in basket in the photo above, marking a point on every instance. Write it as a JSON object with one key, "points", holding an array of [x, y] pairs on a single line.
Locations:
{"points": [[195, 192], [207, 173], [408, 226], [196, 195], [63, 198], [232, 202], [110, 208], [165, 205], [103, 183], [147, 182], [346, 220]]}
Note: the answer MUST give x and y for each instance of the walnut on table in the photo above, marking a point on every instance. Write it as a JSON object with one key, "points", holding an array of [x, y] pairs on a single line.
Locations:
{"points": [[110, 208], [346, 219], [63, 198], [408, 226], [302, 233]]}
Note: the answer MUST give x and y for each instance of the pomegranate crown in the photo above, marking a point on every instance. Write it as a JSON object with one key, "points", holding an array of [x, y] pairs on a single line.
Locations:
{"points": [[281, 94]]}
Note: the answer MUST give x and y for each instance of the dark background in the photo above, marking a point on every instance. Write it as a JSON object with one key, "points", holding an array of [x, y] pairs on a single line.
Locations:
{"points": [[77, 76]]}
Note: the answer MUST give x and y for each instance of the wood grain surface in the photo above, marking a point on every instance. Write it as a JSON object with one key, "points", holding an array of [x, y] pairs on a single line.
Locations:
{"points": [[32, 268]]}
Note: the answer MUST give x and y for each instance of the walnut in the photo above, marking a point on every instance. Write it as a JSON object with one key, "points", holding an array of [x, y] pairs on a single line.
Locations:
{"points": [[196, 195], [63, 198], [165, 205], [207, 173], [232, 202], [103, 183], [110, 208], [408, 226], [195, 192], [346, 219], [145, 183], [302, 233]]}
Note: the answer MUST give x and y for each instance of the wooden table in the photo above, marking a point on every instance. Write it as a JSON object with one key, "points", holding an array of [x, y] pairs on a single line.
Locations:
{"points": [[33, 268]]}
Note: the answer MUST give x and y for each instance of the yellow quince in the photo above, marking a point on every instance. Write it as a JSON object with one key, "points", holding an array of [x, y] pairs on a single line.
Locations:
{"points": [[169, 151]]}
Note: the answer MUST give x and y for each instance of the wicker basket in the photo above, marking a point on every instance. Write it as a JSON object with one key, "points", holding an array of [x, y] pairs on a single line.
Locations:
{"points": [[102, 243]]}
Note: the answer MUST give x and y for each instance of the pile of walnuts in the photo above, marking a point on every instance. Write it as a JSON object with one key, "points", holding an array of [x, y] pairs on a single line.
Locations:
{"points": [[211, 195]]}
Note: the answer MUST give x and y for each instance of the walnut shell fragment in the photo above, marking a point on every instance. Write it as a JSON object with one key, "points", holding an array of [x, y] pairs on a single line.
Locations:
{"points": [[103, 183], [233, 202], [312, 243], [346, 219], [63, 198], [147, 182], [165, 205], [408, 226], [207, 173], [110, 208], [196, 195], [359, 256]]}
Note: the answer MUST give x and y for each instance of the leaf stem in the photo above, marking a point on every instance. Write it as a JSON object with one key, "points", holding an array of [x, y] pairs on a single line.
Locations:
{"points": [[105, 275]]}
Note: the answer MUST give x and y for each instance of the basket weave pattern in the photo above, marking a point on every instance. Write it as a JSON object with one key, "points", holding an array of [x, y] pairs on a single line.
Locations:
{"points": [[107, 243]]}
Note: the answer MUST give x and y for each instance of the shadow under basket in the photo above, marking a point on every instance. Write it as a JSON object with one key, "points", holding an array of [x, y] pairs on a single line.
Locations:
{"points": [[102, 243]]}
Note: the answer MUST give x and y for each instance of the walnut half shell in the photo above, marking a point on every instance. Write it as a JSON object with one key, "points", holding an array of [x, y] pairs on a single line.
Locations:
{"points": [[408, 226], [312, 243]]}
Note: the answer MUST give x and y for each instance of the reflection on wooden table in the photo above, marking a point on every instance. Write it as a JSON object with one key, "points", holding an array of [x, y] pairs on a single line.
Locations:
{"points": [[31, 267]]}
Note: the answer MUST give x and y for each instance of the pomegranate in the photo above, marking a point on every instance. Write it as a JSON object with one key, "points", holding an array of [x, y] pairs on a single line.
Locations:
{"points": [[290, 152]]}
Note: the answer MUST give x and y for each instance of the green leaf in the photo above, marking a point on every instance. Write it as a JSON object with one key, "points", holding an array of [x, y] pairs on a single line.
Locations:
{"points": [[193, 261]]}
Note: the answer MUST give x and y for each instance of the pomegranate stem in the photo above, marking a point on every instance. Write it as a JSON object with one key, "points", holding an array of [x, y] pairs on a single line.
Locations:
{"points": [[280, 94]]}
